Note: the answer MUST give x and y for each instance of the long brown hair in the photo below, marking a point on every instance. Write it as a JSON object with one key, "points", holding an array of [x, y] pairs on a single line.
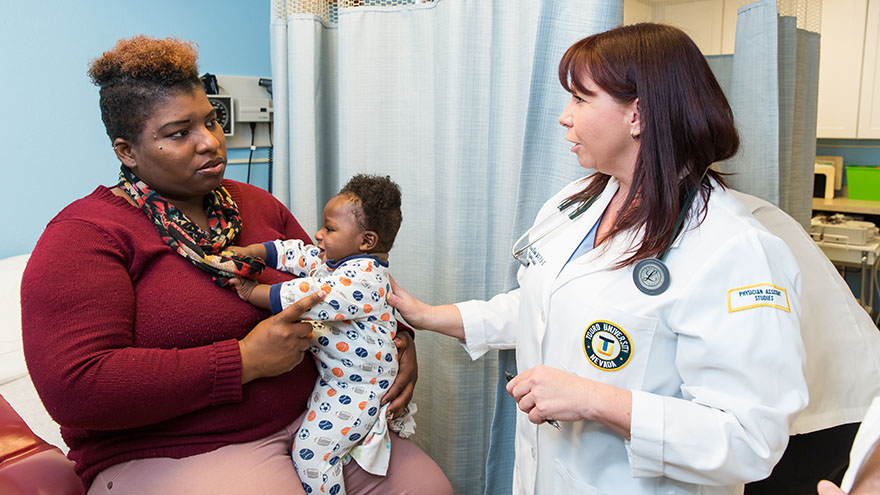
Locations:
{"points": [[686, 122]]}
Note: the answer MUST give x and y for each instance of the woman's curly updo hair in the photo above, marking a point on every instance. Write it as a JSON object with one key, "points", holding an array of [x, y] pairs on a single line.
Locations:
{"points": [[379, 200], [138, 74]]}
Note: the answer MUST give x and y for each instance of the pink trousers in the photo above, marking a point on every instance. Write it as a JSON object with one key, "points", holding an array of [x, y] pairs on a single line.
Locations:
{"points": [[264, 467]]}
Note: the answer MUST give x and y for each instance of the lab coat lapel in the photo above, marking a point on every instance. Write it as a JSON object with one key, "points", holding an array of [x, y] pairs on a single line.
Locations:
{"points": [[609, 254], [564, 245], [603, 257]]}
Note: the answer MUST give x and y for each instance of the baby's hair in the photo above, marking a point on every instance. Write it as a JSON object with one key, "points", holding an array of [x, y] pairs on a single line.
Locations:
{"points": [[379, 201], [136, 75]]}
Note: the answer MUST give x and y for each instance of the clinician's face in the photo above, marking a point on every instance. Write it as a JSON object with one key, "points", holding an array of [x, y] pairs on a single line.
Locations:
{"points": [[599, 127], [340, 235], [181, 152]]}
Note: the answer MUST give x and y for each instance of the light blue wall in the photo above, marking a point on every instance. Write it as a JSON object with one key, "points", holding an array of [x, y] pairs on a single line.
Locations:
{"points": [[54, 148]]}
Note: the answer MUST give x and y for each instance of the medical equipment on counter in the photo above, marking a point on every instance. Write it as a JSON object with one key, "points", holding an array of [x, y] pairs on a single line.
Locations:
{"points": [[841, 229], [847, 241]]}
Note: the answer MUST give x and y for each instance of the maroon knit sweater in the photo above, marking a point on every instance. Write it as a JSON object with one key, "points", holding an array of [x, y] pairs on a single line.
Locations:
{"points": [[134, 350]]}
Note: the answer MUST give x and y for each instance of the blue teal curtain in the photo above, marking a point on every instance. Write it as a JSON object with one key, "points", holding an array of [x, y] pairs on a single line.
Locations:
{"points": [[456, 100]]}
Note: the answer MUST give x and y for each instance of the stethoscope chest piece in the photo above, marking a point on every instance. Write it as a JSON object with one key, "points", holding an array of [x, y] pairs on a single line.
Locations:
{"points": [[651, 276]]}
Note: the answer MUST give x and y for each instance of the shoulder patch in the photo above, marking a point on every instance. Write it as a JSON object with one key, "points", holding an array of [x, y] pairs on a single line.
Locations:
{"points": [[755, 296]]}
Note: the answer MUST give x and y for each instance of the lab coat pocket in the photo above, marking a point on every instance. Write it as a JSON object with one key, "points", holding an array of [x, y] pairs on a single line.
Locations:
{"points": [[564, 482], [608, 345]]}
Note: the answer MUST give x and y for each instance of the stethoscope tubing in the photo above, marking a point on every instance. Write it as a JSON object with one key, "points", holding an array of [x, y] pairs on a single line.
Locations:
{"points": [[584, 206], [565, 205]]}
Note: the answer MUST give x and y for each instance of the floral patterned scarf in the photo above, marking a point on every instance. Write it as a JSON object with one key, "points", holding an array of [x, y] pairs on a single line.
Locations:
{"points": [[203, 249]]}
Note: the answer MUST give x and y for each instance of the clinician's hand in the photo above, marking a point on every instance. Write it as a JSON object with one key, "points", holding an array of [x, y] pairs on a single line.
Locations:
{"points": [[445, 319], [278, 343], [549, 393], [401, 391], [412, 310]]}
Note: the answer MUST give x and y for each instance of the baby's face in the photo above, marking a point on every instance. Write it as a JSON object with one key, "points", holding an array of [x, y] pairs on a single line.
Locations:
{"points": [[340, 236]]}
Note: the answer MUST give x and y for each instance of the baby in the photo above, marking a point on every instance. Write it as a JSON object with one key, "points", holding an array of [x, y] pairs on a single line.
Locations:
{"points": [[354, 347]]}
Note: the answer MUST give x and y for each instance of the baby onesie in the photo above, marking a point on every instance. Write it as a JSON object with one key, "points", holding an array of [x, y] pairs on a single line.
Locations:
{"points": [[352, 341]]}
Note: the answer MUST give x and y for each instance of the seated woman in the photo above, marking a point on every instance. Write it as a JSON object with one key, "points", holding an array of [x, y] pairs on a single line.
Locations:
{"points": [[163, 380]]}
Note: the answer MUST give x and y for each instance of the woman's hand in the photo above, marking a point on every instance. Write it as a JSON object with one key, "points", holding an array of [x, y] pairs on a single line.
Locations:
{"points": [[401, 391], [867, 480], [412, 310], [549, 393], [278, 343], [445, 319], [828, 488]]}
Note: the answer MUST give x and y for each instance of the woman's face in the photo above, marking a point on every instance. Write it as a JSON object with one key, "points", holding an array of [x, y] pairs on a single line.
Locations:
{"points": [[181, 152], [600, 129]]}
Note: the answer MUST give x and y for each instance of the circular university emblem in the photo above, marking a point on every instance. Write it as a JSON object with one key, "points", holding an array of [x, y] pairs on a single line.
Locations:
{"points": [[607, 346]]}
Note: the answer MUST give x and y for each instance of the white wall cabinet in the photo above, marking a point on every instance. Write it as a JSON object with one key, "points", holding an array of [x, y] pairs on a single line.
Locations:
{"points": [[849, 70], [869, 108], [849, 75], [710, 23]]}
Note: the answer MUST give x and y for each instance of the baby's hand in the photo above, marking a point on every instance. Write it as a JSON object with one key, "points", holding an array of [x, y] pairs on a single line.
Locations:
{"points": [[240, 250], [244, 287]]}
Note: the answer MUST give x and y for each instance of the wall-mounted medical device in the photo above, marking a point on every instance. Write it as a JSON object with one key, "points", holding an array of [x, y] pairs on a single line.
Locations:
{"points": [[225, 114], [253, 109], [241, 99]]}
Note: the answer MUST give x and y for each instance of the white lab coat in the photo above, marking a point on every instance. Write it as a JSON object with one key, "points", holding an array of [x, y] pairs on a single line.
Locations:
{"points": [[864, 445], [843, 345], [713, 390]]}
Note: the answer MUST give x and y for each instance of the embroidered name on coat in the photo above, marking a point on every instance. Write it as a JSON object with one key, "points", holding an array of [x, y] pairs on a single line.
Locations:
{"points": [[607, 346], [756, 296]]}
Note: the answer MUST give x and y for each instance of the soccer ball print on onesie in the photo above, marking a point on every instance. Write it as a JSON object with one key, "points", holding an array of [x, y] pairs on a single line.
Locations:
{"points": [[357, 361]]}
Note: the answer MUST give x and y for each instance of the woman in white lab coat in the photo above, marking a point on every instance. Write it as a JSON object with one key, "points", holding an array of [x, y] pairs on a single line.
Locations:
{"points": [[680, 381]]}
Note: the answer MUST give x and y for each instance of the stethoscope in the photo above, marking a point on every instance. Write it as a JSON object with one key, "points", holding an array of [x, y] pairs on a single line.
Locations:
{"points": [[519, 254], [650, 275]]}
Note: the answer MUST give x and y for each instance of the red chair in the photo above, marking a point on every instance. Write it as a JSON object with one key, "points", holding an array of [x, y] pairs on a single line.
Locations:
{"points": [[29, 465]]}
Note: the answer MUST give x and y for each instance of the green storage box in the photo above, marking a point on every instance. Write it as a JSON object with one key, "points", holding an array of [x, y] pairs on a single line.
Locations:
{"points": [[863, 182]]}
